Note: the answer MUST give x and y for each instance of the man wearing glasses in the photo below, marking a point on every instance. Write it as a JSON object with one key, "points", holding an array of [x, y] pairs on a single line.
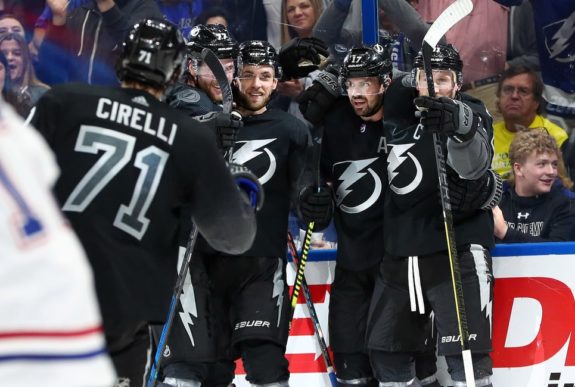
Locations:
{"points": [[520, 101]]}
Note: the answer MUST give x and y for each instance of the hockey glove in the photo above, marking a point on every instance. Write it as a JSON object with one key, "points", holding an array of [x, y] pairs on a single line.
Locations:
{"points": [[317, 100], [225, 126], [471, 195], [447, 116], [301, 56], [316, 206], [248, 183]]}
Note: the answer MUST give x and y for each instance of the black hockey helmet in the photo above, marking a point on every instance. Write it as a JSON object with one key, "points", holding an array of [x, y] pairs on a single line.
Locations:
{"points": [[367, 61], [444, 57], [213, 36], [151, 53], [258, 52]]}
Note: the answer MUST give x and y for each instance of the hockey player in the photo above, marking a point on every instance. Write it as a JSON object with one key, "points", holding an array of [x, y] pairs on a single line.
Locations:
{"points": [[353, 159], [198, 92], [414, 276], [354, 163], [50, 323], [129, 164], [242, 301]]}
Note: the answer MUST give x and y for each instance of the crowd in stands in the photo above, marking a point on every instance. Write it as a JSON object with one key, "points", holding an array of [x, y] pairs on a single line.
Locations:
{"points": [[519, 59]]}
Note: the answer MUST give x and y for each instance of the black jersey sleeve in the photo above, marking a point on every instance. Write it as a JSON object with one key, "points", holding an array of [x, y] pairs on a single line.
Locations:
{"points": [[192, 101], [221, 212]]}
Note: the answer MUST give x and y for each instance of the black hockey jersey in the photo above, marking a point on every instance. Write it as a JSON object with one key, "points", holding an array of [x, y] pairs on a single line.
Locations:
{"points": [[542, 218], [413, 216], [129, 164], [191, 100], [353, 160], [274, 146]]}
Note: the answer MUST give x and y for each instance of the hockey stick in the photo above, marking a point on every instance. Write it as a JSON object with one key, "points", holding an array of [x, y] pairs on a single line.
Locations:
{"points": [[448, 18], [313, 315], [308, 234], [227, 99], [182, 273]]}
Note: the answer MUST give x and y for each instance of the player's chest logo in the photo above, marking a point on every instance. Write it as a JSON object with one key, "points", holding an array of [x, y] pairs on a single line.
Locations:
{"points": [[361, 172], [560, 38], [397, 156], [256, 150]]}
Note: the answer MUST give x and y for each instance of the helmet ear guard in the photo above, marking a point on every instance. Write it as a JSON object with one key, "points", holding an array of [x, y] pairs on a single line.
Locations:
{"points": [[152, 53]]}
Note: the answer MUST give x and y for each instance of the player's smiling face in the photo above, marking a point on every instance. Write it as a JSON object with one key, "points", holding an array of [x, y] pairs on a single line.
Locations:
{"points": [[256, 84], [444, 83], [208, 83]]}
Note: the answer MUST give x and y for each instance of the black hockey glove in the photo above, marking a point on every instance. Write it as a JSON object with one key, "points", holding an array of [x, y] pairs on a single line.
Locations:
{"points": [[447, 116], [225, 126], [248, 183], [316, 100], [316, 206], [301, 56], [471, 195]]}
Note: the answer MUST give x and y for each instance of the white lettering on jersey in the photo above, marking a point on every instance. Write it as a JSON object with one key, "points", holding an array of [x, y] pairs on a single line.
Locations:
{"points": [[394, 159], [188, 301], [135, 118], [351, 175], [249, 150]]}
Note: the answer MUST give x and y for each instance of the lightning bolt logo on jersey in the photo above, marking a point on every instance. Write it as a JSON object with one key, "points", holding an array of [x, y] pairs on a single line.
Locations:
{"points": [[353, 172], [560, 39], [249, 150], [397, 156]]}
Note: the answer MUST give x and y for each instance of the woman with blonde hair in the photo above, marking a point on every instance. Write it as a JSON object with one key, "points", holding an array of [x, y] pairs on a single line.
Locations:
{"points": [[28, 88], [535, 206], [299, 18]]}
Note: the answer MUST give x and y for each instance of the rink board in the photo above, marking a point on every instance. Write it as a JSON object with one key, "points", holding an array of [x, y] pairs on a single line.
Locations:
{"points": [[533, 318]]}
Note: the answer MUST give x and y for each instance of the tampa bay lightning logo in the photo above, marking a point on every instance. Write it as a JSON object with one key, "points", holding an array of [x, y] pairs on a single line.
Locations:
{"points": [[251, 149], [397, 156], [356, 170], [560, 39]]}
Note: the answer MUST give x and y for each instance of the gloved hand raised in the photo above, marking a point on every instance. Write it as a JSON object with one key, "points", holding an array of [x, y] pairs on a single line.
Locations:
{"points": [[225, 126], [471, 195], [248, 183], [316, 100], [301, 56], [447, 116], [316, 205]]}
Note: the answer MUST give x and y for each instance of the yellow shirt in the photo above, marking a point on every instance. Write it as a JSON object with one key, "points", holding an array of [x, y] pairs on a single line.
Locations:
{"points": [[502, 139]]}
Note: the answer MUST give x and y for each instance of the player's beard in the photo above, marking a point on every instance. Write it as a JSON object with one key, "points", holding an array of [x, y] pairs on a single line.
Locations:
{"points": [[245, 103], [370, 109]]}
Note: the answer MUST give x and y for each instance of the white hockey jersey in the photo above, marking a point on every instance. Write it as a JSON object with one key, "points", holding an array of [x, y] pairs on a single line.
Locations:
{"points": [[50, 324]]}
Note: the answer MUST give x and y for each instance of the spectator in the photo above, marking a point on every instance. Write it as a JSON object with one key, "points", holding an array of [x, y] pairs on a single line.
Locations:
{"points": [[182, 13], [520, 101], [553, 26], [534, 208], [298, 20], [80, 41], [10, 23], [8, 93], [214, 15], [24, 82]]}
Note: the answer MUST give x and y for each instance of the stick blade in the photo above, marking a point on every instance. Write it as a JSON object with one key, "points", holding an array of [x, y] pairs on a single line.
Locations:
{"points": [[468, 367], [448, 18]]}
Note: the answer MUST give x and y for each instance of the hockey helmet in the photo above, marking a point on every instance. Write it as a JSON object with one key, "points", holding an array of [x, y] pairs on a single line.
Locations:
{"points": [[444, 57], [214, 37], [258, 52], [151, 53], [367, 61]]}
